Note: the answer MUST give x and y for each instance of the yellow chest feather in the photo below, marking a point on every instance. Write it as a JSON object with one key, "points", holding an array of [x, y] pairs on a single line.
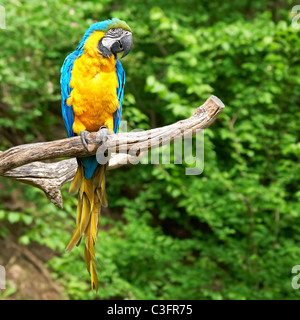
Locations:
{"points": [[94, 95]]}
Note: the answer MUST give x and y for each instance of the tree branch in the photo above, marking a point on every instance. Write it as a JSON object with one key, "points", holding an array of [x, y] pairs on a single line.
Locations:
{"points": [[20, 162], [50, 177]]}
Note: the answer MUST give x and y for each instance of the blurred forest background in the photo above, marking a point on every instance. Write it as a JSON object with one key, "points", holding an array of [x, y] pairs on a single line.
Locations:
{"points": [[232, 232]]}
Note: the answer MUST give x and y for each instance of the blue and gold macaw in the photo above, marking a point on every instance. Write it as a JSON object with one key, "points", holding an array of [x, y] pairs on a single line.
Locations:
{"points": [[92, 88]]}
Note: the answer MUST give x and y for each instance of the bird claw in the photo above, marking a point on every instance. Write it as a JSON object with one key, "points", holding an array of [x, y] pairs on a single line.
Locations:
{"points": [[102, 135], [83, 135]]}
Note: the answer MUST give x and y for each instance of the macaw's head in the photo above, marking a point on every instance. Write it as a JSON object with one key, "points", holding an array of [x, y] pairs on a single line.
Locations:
{"points": [[107, 38]]}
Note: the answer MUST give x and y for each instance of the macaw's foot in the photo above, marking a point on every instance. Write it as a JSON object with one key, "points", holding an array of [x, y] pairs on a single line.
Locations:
{"points": [[102, 135], [84, 139]]}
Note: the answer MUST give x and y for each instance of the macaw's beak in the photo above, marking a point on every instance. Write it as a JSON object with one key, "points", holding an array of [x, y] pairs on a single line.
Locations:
{"points": [[126, 42], [123, 44]]}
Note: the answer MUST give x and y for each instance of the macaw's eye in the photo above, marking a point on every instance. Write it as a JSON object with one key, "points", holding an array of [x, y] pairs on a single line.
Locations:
{"points": [[115, 31]]}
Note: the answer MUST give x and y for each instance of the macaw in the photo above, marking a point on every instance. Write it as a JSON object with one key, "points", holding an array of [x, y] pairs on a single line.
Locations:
{"points": [[92, 88]]}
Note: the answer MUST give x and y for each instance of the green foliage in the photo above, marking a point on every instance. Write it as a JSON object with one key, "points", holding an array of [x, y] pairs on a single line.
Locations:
{"points": [[229, 233]]}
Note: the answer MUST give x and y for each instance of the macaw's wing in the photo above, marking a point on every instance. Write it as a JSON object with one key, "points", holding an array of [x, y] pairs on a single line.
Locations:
{"points": [[120, 93], [67, 111]]}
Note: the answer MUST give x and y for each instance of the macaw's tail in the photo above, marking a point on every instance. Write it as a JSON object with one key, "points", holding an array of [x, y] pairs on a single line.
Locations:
{"points": [[91, 197]]}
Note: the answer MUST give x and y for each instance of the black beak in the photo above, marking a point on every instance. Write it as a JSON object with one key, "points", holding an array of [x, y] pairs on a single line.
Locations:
{"points": [[124, 44]]}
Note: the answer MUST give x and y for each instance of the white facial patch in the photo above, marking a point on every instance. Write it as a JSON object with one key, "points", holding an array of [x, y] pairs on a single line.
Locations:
{"points": [[107, 42]]}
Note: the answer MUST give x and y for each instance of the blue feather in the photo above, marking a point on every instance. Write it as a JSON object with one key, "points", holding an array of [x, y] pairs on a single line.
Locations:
{"points": [[120, 93], [67, 111]]}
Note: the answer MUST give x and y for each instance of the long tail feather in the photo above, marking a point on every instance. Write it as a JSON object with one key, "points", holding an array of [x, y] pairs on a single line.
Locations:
{"points": [[76, 182], [91, 197]]}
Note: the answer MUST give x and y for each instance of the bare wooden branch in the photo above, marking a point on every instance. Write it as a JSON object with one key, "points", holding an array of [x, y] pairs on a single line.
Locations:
{"points": [[50, 177], [22, 163]]}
